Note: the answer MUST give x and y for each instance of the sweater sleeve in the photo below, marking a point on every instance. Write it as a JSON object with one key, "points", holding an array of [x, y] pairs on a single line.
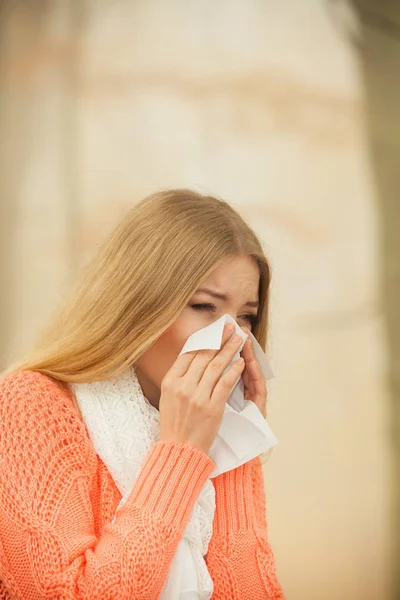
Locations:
{"points": [[49, 547], [240, 559]]}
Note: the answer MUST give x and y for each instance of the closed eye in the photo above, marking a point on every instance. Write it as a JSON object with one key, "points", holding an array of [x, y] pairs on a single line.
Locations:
{"points": [[250, 318]]}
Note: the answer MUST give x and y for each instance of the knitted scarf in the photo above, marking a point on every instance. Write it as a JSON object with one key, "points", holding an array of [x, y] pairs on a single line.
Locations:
{"points": [[123, 426]]}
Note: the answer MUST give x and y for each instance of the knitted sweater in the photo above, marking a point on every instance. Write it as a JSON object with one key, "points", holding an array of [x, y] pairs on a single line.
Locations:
{"points": [[58, 536]]}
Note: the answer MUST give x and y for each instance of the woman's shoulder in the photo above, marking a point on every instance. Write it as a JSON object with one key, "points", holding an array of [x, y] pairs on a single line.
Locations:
{"points": [[32, 385], [35, 400], [22, 379], [42, 438]]}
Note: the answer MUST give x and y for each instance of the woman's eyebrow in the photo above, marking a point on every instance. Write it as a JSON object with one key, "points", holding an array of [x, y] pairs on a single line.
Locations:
{"points": [[224, 297]]}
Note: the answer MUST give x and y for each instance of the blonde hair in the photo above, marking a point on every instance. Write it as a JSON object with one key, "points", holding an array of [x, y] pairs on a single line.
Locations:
{"points": [[138, 283]]}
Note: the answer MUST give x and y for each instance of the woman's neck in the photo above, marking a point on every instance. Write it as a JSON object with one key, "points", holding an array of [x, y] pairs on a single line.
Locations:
{"points": [[150, 390]]}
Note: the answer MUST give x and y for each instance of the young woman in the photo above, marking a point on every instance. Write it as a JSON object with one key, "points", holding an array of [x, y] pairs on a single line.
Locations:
{"points": [[177, 262]]}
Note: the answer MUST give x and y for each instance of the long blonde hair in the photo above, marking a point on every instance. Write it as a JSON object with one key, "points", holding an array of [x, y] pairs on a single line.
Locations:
{"points": [[138, 283]]}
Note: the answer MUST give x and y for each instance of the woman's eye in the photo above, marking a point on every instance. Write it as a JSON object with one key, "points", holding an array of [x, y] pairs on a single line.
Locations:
{"points": [[210, 307], [252, 319]]}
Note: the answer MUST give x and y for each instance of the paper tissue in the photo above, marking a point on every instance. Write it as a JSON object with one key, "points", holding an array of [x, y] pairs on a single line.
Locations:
{"points": [[244, 433]]}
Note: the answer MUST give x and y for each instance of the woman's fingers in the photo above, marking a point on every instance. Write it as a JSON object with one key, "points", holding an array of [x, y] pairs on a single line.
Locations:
{"points": [[198, 360], [225, 384], [204, 357], [181, 365], [214, 372], [253, 377]]}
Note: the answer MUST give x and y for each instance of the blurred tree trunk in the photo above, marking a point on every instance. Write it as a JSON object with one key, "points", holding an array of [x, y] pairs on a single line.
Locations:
{"points": [[380, 63], [21, 25], [39, 44]]}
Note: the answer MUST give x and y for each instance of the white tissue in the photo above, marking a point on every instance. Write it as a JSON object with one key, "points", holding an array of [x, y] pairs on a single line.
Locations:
{"points": [[244, 433]]}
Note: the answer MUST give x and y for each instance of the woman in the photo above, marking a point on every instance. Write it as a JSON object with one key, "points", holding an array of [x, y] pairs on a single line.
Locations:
{"points": [[177, 262]]}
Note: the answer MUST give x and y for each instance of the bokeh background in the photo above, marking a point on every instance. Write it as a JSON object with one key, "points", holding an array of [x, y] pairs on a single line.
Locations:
{"points": [[289, 110]]}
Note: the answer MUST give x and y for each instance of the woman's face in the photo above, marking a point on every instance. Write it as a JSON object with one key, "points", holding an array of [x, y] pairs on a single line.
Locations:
{"points": [[237, 279]]}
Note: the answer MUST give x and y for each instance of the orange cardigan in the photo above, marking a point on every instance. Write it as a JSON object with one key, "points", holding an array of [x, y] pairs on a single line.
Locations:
{"points": [[58, 536]]}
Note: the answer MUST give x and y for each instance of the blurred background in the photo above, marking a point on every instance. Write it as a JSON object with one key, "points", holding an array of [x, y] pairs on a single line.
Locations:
{"points": [[289, 110]]}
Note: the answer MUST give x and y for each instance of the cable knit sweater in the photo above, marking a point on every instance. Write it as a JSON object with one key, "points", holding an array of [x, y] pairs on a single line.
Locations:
{"points": [[58, 536]]}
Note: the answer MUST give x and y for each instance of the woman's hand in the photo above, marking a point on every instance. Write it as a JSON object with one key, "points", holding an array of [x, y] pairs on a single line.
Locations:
{"points": [[255, 388], [194, 393]]}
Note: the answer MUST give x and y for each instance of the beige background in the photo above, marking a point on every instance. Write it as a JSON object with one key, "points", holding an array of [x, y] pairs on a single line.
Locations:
{"points": [[262, 103]]}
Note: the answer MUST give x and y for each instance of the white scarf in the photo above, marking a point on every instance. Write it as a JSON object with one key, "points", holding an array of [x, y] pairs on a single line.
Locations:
{"points": [[123, 427]]}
